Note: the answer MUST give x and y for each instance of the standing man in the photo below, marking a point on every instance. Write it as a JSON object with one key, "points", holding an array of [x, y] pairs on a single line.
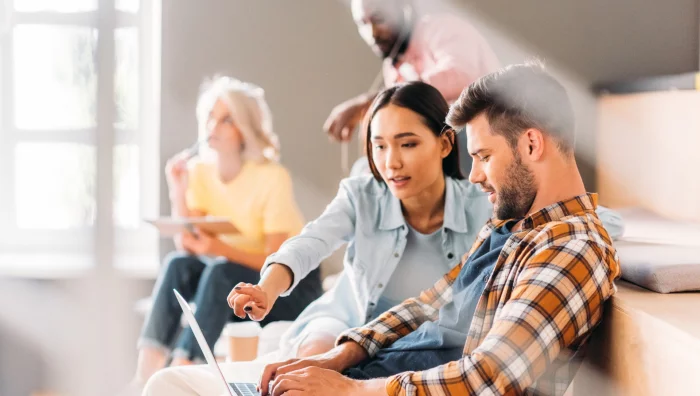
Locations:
{"points": [[440, 49]]}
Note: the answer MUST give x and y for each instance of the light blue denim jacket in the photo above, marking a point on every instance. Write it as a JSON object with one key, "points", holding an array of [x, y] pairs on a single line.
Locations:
{"points": [[367, 217]]}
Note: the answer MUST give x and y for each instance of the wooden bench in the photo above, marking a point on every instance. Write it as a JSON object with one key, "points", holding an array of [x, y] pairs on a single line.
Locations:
{"points": [[648, 344]]}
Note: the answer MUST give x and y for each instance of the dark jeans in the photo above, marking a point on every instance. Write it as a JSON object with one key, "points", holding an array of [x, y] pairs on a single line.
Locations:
{"points": [[207, 283]]}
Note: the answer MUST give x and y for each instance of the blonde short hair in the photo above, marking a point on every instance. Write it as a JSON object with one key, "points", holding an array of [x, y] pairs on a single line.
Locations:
{"points": [[249, 111]]}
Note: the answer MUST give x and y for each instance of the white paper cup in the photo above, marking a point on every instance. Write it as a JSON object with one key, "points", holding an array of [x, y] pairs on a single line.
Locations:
{"points": [[243, 341]]}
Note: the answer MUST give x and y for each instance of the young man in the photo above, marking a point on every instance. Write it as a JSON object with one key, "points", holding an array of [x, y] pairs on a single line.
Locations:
{"points": [[540, 270]]}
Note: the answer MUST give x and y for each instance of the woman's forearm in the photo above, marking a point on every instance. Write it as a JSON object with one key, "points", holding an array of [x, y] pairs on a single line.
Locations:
{"points": [[277, 279], [178, 205]]}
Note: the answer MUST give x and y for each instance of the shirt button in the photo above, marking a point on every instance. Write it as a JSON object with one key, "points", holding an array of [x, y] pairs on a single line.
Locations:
{"points": [[396, 255], [380, 285], [450, 256], [371, 304]]}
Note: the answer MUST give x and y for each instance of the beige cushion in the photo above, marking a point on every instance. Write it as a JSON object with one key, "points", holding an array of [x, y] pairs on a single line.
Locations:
{"points": [[659, 254], [661, 268]]}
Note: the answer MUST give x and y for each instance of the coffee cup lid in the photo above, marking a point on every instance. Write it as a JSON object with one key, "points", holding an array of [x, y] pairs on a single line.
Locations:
{"points": [[243, 329]]}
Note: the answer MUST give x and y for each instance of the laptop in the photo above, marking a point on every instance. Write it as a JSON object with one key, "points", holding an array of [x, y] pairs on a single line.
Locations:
{"points": [[234, 388]]}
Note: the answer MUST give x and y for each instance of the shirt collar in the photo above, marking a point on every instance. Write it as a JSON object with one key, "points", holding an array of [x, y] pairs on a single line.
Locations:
{"points": [[556, 212], [455, 217], [390, 215]]}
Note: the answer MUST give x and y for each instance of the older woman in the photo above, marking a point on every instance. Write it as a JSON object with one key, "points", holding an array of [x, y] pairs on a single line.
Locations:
{"points": [[236, 176]]}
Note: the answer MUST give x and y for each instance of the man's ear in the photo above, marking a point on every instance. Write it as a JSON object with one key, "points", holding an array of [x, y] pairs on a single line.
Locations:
{"points": [[534, 141]]}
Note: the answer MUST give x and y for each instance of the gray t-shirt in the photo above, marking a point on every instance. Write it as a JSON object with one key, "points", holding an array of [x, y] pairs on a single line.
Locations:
{"points": [[415, 272], [442, 341]]}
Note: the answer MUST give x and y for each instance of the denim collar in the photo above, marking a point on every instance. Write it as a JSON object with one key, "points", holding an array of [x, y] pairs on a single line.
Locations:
{"points": [[455, 219]]}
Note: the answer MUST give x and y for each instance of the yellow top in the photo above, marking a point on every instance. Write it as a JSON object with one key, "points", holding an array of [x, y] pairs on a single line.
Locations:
{"points": [[259, 201]]}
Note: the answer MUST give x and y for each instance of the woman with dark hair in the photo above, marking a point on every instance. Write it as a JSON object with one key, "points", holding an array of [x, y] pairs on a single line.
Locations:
{"points": [[405, 225]]}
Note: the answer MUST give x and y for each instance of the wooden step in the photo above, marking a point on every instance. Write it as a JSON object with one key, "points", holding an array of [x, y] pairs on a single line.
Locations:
{"points": [[648, 344]]}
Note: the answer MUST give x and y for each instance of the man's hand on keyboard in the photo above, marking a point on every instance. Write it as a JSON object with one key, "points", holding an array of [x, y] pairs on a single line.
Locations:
{"points": [[274, 370], [316, 381], [337, 359]]}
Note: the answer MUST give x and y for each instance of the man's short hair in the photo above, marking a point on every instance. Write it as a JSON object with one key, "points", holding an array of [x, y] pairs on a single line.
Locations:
{"points": [[517, 98]]}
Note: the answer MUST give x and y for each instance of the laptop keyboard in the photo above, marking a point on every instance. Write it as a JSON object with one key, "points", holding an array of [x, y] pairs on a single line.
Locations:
{"points": [[245, 389]]}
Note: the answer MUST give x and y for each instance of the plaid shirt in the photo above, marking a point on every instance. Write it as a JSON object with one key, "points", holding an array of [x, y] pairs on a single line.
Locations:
{"points": [[540, 305]]}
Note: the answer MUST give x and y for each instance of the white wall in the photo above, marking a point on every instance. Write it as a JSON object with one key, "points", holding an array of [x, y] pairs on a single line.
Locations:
{"points": [[601, 39]]}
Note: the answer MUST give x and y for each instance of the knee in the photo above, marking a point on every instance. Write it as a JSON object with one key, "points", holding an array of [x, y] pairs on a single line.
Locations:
{"points": [[216, 283], [160, 383], [181, 381]]}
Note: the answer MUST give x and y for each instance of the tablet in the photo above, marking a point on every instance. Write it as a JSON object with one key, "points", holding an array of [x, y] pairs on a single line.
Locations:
{"points": [[171, 226]]}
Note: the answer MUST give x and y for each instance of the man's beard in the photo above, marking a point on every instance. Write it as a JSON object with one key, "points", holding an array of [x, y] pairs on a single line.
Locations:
{"points": [[518, 193], [402, 39]]}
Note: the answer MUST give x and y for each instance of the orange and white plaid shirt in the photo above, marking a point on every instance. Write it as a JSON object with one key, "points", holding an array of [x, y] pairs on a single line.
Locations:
{"points": [[539, 307]]}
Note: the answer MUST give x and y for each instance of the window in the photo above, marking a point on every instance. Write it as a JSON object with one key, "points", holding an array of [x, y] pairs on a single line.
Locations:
{"points": [[78, 122]]}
